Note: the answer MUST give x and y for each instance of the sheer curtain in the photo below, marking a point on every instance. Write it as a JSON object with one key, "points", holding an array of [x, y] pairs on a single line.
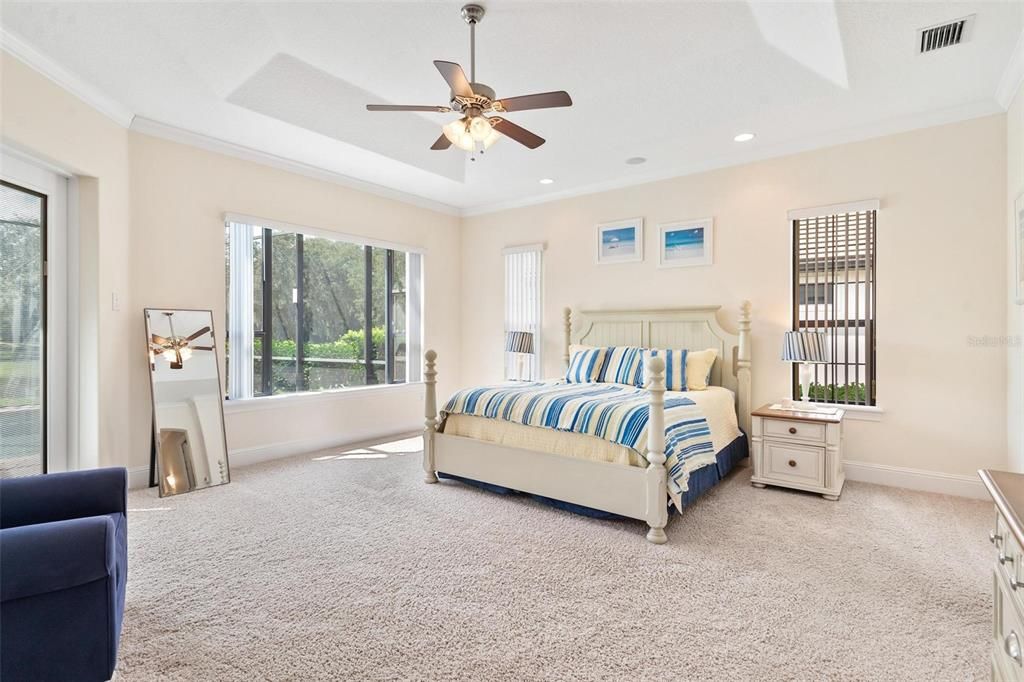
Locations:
{"points": [[523, 305], [240, 311]]}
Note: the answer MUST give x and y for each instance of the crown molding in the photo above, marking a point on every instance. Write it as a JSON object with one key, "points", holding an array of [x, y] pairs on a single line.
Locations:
{"points": [[1013, 76], [22, 50], [165, 131], [979, 109]]}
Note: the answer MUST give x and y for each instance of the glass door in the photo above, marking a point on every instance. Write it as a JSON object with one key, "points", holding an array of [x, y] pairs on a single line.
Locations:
{"points": [[22, 331]]}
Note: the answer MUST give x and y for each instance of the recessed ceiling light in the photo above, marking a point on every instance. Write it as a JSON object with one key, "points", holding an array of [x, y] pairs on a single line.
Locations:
{"points": [[546, 181], [636, 160], [744, 137]]}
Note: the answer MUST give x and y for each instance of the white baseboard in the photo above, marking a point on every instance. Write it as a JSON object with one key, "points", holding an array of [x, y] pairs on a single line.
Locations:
{"points": [[959, 485], [245, 456], [241, 457]]}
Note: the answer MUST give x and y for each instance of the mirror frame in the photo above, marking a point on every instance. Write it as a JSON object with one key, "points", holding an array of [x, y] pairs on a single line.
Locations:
{"points": [[152, 398]]}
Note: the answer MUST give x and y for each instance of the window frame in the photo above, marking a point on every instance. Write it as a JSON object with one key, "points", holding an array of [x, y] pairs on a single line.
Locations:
{"points": [[870, 325], [268, 227]]}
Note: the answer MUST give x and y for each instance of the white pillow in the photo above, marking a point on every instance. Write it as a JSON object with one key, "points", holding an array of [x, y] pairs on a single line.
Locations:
{"points": [[698, 368]]}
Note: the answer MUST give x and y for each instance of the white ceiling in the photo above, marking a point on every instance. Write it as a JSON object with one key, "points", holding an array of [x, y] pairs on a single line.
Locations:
{"points": [[669, 81]]}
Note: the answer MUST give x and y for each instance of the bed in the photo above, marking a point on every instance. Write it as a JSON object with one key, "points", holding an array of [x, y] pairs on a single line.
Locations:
{"points": [[580, 469]]}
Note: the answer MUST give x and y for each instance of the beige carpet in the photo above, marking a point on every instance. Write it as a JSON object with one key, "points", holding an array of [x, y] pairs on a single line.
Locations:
{"points": [[352, 568]]}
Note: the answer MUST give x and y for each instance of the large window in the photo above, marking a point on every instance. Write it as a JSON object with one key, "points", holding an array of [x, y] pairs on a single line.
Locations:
{"points": [[523, 271], [308, 311], [834, 293]]}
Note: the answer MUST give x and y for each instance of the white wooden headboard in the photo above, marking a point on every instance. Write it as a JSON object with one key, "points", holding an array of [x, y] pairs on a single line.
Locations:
{"points": [[692, 328]]}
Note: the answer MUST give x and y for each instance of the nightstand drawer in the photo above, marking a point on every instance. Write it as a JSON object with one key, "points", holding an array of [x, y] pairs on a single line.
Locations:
{"points": [[796, 463], [789, 429]]}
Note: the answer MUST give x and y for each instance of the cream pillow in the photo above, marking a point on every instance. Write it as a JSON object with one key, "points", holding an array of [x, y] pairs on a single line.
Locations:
{"points": [[698, 368]]}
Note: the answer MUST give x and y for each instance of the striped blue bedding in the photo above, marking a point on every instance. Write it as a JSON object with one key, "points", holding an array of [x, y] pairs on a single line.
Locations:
{"points": [[613, 412]]}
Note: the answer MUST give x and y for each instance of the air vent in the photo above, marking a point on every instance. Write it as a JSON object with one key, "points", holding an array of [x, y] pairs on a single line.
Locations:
{"points": [[944, 35]]}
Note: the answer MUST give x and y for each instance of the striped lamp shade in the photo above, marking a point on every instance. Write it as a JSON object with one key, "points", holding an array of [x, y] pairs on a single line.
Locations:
{"points": [[805, 347], [519, 342]]}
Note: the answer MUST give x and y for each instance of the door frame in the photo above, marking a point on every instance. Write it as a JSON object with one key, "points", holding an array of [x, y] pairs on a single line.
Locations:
{"points": [[38, 178]]}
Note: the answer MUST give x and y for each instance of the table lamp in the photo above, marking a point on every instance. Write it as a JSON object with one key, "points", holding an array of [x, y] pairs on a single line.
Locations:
{"points": [[808, 348], [520, 343]]}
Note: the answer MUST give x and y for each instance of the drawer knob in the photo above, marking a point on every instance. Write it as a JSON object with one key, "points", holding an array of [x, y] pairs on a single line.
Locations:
{"points": [[1003, 559], [792, 429], [1012, 646], [792, 463], [994, 537]]}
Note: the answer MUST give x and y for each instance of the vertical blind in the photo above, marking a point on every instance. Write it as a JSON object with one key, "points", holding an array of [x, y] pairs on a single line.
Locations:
{"points": [[523, 273], [834, 293]]}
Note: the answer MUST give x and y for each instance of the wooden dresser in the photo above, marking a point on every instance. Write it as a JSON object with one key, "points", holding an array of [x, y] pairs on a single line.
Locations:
{"points": [[1007, 538]]}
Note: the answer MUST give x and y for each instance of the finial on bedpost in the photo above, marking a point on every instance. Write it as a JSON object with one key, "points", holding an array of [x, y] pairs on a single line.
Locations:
{"points": [[657, 476], [743, 369], [567, 326], [430, 424]]}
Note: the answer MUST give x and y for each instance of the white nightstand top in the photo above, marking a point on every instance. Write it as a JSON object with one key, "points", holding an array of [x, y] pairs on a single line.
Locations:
{"points": [[798, 415]]}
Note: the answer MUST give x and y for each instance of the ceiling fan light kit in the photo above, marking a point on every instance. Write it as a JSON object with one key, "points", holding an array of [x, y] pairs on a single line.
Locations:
{"points": [[475, 132]]}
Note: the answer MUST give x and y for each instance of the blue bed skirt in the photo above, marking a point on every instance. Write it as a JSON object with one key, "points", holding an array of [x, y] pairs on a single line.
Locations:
{"points": [[701, 481]]}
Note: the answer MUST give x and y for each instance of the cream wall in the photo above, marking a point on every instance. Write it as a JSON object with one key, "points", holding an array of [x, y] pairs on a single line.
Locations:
{"points": [[941, 278], [179, 197], [152, 231], [39, 117], [1015, 313]]}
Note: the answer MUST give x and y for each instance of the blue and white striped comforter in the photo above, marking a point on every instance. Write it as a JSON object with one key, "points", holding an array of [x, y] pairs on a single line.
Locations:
{"points": [[612, 412]]}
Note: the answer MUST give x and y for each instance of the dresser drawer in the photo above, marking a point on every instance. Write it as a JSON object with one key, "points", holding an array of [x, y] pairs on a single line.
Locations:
{"points": [[1007, 631], [789, 462], [788, 429]]}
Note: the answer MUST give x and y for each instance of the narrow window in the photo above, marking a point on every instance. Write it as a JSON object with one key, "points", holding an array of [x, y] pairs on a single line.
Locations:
{"points": [[834, 294], [523, 322], [309, 311]]}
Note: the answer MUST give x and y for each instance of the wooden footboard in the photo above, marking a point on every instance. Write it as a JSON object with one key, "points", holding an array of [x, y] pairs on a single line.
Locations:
{"points": [[639, 493]]}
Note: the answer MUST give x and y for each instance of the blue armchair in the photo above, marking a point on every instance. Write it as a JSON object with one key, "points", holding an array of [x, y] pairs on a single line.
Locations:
{"points": [[63, 570]]}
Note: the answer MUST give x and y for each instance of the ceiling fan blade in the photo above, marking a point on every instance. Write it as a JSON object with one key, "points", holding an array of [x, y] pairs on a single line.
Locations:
{"points": [[159, 340], [441, 143], [517, 133], [407, 107], [201, 347], [456, 78], [543, 100], [198, 334]]}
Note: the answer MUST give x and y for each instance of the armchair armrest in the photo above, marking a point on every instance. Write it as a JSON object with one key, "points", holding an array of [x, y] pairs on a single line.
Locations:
{"points": [[61, 496], [47, 557]]}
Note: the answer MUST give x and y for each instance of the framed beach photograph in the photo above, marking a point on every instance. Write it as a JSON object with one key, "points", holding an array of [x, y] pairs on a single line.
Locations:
{"points": [[1018, 248], [684, 244], [621, 241]]}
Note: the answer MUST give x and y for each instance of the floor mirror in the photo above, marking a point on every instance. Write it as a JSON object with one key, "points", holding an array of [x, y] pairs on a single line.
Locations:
{"points": [[189, 447]]}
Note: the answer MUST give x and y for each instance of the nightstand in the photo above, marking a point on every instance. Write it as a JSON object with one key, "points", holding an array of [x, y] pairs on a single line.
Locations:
{"points": [[801, 450]]}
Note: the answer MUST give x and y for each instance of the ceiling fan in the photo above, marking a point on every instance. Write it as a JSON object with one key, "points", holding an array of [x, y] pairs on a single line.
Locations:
{"points": [[474, 131], [175, 349]]}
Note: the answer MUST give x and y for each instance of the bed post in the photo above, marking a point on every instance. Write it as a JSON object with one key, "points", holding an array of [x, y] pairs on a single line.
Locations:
{"points": [[430, 425], [657, 477], [743, 368], [567, 326]]}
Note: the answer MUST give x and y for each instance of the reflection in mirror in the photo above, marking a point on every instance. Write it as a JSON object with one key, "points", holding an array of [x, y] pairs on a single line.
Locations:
{"points": [[188, 416]]}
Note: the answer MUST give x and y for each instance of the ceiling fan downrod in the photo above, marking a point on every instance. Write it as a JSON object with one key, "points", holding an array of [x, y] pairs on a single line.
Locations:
{"points": [[472, 14]]}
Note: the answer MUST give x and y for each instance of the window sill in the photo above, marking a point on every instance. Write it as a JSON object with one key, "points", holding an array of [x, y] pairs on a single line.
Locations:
{"points": [[274, 402], [858, 413]]}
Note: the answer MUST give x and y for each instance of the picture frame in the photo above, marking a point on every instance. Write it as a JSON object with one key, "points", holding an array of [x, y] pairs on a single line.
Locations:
{"points": [[686, 243], [1018, 249], [620, 241]]}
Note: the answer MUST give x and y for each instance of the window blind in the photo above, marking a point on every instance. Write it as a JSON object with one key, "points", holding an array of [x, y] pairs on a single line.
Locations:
{"points": [[523, 289], [834, 267]]}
